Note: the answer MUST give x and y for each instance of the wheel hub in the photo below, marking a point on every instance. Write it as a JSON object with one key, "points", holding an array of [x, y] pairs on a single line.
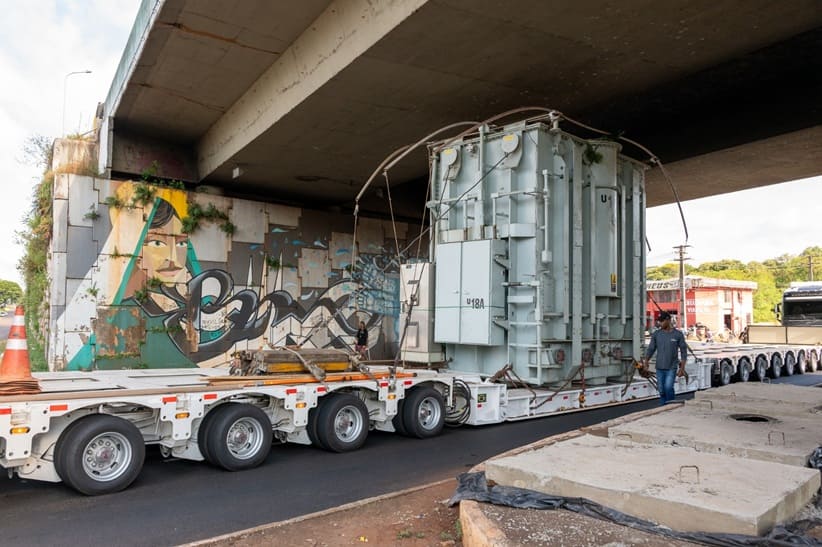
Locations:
{"points": [[244, 438], [106, 456], [239, 436], [429, 413], [347, 424]]}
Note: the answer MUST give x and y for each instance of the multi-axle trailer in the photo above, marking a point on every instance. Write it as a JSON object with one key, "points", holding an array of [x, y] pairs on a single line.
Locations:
{"points": [[90, 430]]}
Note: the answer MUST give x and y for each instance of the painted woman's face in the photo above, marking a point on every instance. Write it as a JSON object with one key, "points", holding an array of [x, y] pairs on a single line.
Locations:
{"points": [[164, 252]]}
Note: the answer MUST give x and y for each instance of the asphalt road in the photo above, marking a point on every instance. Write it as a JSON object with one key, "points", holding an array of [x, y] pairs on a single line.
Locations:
{"points": [[175, 502], [5, 326]]}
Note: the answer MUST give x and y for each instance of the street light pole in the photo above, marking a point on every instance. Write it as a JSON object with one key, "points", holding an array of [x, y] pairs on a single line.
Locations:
{"points": [[65, 82]]}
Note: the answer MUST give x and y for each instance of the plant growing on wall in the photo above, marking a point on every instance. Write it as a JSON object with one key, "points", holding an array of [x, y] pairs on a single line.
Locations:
{"points": [[153, 283], [92, 213], [141, 295], [115, 202], [146, 190], [197, 214], [591, 155], [143, 194]]}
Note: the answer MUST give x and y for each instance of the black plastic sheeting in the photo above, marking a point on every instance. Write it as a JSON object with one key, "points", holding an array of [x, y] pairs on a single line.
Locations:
{"points": [[473, 486], [815, 459]]}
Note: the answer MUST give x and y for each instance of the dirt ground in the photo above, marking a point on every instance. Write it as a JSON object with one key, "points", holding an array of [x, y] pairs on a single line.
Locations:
{"points": [[418, 518], [422, 518]]}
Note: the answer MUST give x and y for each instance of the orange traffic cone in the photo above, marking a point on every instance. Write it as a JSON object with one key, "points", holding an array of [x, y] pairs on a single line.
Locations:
{"points": [[15, 370]]}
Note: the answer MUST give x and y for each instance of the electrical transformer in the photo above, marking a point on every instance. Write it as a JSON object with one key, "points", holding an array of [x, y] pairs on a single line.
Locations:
{"points": [[538, 256]]}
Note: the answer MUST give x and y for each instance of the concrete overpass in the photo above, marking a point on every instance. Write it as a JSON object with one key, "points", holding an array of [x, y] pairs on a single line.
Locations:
{"points": [[306, 98]]}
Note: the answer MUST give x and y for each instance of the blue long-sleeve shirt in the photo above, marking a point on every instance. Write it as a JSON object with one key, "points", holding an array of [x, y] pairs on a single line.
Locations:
{"points": [[666, 343]]}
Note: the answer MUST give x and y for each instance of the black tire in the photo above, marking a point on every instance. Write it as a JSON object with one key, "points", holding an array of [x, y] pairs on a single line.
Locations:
{"points": [[726, 372], [743, 370], [311, 427], [202, 434], [789, 364], [99, 454], [776, 366], [239, 437], [342, 423], [398, 421], [761, 368], [803, 362], [423, 413]]}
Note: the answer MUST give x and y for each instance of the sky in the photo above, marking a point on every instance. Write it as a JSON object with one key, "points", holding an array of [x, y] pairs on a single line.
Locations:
{"points": [[752, 225], [41, 41]]}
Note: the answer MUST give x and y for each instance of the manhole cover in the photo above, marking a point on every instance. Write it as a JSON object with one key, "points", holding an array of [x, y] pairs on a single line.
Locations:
{"points": [[756, 418]]}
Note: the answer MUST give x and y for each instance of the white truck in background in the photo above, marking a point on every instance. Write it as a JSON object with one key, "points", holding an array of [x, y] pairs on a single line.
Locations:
{"points": [[800, 315]]}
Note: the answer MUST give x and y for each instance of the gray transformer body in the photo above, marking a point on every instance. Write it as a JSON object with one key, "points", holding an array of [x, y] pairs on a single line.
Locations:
{"points": [[538, 246]]}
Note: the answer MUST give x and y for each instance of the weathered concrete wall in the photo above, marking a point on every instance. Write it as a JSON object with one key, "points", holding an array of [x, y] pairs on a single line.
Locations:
{"points": [[130, 288], [75, 156]]}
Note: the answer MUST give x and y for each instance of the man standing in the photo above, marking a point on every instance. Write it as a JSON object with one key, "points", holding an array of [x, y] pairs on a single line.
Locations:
{"points": [[666, 342]]}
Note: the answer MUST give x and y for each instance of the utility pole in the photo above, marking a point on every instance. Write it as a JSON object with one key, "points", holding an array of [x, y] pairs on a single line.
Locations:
{"points": [[681, 250], [810, 267]]}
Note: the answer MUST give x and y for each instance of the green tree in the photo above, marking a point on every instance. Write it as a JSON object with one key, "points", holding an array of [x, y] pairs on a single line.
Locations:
{"points": [[10, 292], [666, 271], [772, 276]]}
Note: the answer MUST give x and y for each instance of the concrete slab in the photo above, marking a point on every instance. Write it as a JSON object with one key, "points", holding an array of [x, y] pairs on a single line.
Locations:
{"points": [[773, 409], [770, 399], [676, 487], [785, 439], [766, 391]]}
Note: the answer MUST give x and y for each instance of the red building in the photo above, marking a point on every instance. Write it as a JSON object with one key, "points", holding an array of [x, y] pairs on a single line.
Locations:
{"points": [[715, 303]]}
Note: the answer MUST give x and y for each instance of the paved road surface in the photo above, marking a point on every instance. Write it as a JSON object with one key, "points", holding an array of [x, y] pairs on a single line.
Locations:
{"points": [[5, 326]]}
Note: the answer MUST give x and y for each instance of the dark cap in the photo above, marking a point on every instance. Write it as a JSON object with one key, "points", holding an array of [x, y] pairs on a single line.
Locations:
{"points": [[663, 315]]}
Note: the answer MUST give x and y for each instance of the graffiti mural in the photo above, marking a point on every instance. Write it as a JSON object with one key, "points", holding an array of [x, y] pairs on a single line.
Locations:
{"points": [[158, 297]]}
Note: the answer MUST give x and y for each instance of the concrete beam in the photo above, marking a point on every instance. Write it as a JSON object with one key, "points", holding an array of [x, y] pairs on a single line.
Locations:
{"points": [[791, 156], [343, 32]]}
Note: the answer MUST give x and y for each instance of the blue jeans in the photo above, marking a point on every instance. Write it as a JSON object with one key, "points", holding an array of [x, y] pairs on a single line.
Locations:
{"points": [[665, 383]]}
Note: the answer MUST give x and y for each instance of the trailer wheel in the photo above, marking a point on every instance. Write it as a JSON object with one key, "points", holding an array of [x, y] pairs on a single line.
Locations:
{"points": [[725, 372], [424, 412], [760, 368], [791, 364], [776, 366], [743, 372], [99, 454], [788, 364], [239, 437], [802, 362], [342, 423]]}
